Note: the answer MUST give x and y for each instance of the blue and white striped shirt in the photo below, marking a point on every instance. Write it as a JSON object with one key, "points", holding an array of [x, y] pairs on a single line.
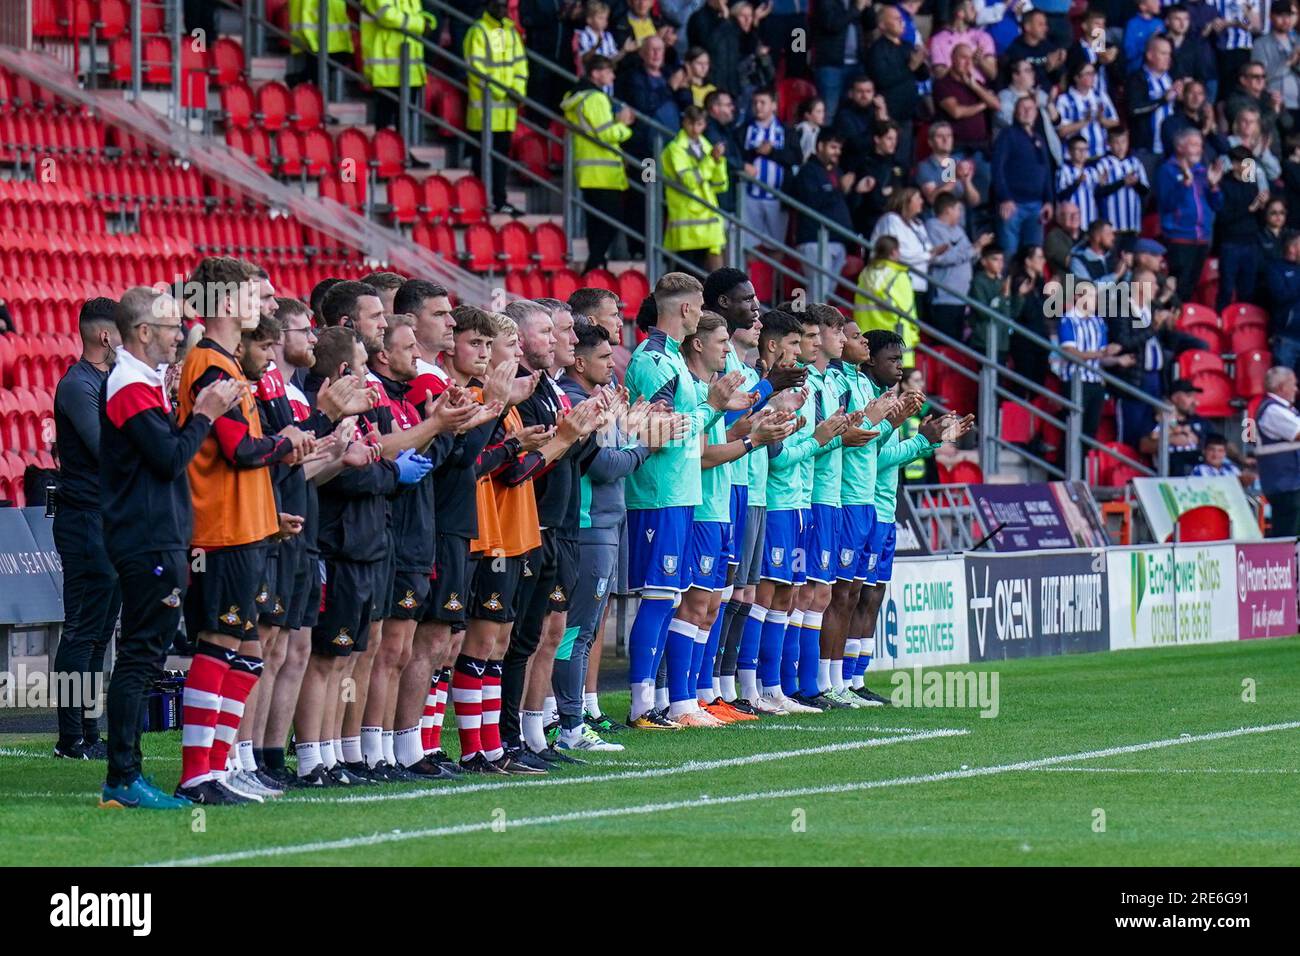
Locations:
{"points": [[589, 41], [1080, 183], [1235, 12], [1087, 334], [1074, 105], [1090, 55], [1123, 208], [1157, 87], [767, 170]]}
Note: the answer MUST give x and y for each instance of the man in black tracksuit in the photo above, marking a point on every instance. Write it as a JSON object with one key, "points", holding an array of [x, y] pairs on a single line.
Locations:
{"points": [[147, 520], [91, 596]]}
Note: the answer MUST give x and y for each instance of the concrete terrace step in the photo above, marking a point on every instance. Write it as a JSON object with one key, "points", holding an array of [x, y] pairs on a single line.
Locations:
{"points": [[347, 112], [267, 68]]}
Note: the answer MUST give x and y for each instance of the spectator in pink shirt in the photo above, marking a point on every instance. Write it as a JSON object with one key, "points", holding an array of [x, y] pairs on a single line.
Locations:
{"points": [[961, 29]]}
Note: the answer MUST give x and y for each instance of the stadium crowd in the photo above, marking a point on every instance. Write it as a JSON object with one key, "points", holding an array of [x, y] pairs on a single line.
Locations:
{"points": [[365, 507]]}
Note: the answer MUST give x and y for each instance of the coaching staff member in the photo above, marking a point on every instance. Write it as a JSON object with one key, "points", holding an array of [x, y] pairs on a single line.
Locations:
{"points": [[148, 520], [90, 592]]}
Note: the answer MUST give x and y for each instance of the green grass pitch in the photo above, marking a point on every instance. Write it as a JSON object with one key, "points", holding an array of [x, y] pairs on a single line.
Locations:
{"points": [[1141, 757]]}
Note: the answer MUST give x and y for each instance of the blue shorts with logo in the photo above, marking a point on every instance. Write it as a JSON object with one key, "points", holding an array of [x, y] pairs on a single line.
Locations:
{"points": [[856, 524], [708, 567], [883, 538], [783, 555], [739, 512], [823, 548], [659, 542]]}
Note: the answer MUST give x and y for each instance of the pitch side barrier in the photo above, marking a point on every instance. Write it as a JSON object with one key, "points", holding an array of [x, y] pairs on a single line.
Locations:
{"points": [[976, 607]]}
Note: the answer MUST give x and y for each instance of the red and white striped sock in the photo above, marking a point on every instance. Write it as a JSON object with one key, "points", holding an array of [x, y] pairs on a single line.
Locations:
{"points": [[491, 734], [440, 714], [467, 694], [200, 704], [426, 718], [238, 684]]}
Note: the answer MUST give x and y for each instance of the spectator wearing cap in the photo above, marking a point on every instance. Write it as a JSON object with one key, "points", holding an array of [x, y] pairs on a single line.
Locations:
{"points": [[1283, 281], [91, 595], [1186, 429], [1277, 450], [1149, 256], [1238, 226], [1187, 198]]}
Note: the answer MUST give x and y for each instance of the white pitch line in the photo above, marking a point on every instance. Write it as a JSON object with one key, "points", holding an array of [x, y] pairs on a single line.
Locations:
{"points": [[692, 766], [33, 754], [653, 808], [764, 725], [1164, 770]]}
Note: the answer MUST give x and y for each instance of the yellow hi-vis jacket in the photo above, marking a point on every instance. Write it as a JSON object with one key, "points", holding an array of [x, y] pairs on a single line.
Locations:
{"points": [[494, 48], [304, 24], [887, 281], [690, 225], [385, 26], [595, 166]]}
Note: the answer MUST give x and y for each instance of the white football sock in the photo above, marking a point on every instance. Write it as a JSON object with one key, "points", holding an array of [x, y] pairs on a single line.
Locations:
{"points": [[531, 723], [727, 688], [308, 757], [389, 754], [407, 747], [591, 704], [246, 761], [823, 674], [370, 745]]}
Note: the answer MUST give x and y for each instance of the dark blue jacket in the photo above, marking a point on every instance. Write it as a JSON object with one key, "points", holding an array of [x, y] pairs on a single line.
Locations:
{"points": [[1283, 280], [813, 187], [1022, 167], [1186, 212]]}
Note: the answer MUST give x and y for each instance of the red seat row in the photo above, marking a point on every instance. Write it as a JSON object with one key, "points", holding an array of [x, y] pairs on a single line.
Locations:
{"points": [[293, 152], [26, 135], [72, 19], [51, 216], [223, 63], [437, 200], [630, 285], [116, 184], [226, 231], [274, 106]]}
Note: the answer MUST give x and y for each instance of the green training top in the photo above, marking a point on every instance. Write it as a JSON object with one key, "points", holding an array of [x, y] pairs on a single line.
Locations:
{"points": [[670, 478]]}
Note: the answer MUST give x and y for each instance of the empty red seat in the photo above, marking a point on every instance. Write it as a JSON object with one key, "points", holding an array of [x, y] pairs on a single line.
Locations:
{"points": [[516, 245], [1216, 393], [482, 249], [633, 287], [565, 282], [1249, 336], [1252, 366], [436, 237], [318, 152], [308, 106], [471, 201], [551, 249], [1193, 315], [790, 92], [157, 63], [1243, 315], [403, 198], [237, 103], [112, 18], [227, 60], [436, 199], [353, 152], [274, 104], [1194, 360], [389, 153]]}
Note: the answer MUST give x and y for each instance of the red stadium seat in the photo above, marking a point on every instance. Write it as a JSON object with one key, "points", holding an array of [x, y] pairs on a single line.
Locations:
{"points": [[1015, 424], [1248, 336], [353, 151], [1244, 315], [529, 150], [1195, 360], [482, 251], [1216, 393], [289, 152], [565, 282], [389, 150], [437, 238], [237, 103], [551, 248], [436, 199], [308, 107], [965, 473], [227, 60], [157, 63], [633, 287], [790, 92], [535, 287], [471, 201], [274, 104], [516, 245], [1193, 315], [403, 198], [318, 152], [600, 279], [1252, 366]]}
